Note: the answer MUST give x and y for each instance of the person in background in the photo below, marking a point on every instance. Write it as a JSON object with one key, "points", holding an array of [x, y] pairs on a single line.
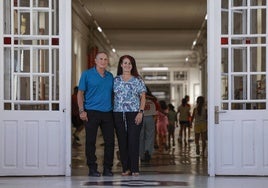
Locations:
{"points": [[95, 107], [76, 121], [172, 121], [161, 124], [200, 124], [187, 98], [147, 134], [129, 102], [184, 117]]}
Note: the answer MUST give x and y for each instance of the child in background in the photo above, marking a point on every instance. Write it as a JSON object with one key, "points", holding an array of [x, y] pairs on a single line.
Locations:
{"points": [[172, 120], [200, 124], [161, 124]]}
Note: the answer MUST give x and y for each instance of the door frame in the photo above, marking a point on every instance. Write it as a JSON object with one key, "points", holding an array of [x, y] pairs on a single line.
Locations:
{"points": [[66, 56], [213, 52]]}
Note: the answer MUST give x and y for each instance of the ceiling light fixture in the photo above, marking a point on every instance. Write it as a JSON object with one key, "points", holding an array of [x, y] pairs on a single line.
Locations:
{"points": [[99, 29], [155, 68], [96, 24]]}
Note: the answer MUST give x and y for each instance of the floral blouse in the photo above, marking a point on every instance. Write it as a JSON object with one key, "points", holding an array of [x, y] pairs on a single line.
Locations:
{"points": [[127, 94]]}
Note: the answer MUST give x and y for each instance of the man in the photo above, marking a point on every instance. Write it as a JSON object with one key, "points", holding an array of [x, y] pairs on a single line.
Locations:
{"points": [[95, 107]]}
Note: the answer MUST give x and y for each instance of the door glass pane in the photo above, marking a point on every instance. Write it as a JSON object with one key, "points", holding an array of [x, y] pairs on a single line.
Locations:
{"points": [[257, 83], [41, 88], [258, 21], [257, 59], [40, 3], [22, 87], [55, 74], [239, 56], [239, 22], [258, 2], [224, 4], [224, 20], [22, 59], [225, 106], [31, 107], [23, 26], [239, 87], [23, 3], [7, 74], [7, 16], [249, 106], [224, 60], [239, 3], [224, 87], [41, 60], [41, 23], [55, 17]]}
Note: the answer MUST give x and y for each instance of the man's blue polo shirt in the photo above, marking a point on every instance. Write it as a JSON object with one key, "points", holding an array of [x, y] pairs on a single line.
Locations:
{"points": [[97, 90]]}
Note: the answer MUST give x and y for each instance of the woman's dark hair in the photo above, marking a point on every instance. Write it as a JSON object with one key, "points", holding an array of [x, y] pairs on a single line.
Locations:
{"points": [[163, 105], [200, 102], [184, 102], [171, 107], [134, 70]]}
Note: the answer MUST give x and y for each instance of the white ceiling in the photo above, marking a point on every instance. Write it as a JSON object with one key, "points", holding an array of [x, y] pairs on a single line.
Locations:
{"points": [[155, 32]]}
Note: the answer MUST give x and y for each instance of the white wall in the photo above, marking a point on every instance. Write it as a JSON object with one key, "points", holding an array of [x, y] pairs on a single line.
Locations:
{"points": [[81, 41]]}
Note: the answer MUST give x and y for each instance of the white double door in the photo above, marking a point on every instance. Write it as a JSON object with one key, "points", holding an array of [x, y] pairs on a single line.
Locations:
{"points": [[35, 59], [237, 87]]}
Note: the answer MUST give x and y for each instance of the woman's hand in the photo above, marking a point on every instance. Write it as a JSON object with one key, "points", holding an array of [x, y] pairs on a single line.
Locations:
{"points": [[138, 118]]}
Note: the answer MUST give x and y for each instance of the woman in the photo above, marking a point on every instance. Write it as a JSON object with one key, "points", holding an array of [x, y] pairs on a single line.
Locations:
{"points": [[200, 124], [129, 102], [184, 119]]}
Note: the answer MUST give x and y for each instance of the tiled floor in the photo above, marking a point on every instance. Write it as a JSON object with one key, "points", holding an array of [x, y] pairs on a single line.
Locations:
{"points": [[180, 159], [177, 167]]}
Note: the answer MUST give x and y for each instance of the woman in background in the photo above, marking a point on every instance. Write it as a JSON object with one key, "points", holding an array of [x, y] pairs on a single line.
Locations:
{"points": [[184, 119], [200, 124]]}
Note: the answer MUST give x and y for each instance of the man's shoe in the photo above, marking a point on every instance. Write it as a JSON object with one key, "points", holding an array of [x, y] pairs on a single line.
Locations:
{"points": [[107, 172], [94, 173]]}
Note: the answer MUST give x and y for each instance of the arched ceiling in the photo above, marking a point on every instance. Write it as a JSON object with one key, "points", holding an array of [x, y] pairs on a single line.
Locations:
{"points": [[155, 32]]}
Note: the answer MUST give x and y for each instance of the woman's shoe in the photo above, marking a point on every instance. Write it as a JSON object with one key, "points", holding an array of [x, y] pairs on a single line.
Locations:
{"points": [[126, 173], [135, 173]]}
